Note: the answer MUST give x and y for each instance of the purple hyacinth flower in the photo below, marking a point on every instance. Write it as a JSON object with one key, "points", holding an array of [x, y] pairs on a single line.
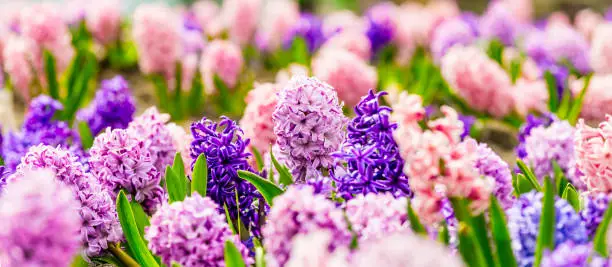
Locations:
{"points": [[380, 26], [468, 122], [370, 154], [594, 208], [449, 33], [472, 20], [499, 23], [608, 14], [496, 170], [525, 130], [113, 106], [224, 146], [524, 221], [309, 27], [567, 254]]}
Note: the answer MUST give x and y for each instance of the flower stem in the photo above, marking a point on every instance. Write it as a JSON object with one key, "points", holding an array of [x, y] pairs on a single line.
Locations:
{"points": [[122, 256]]}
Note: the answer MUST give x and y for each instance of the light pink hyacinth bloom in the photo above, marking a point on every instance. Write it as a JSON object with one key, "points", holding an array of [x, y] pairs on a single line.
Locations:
{"points": [[598, 98], [586, 21], [601, 49], [530, 96], [520, 9], [303, 255], [343, 20], [257, 121], [283, 76], [43, 27], [17, 64], [478, 79], [157, 37], [277, 20], [348, 74], [103, 20], [240, 17], [206, 12], [224, 59], [353, 41], [593, 150]]}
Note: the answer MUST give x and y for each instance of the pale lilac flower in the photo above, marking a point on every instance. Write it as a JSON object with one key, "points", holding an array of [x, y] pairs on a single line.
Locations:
{"points": [[374, 216], [150, 128]]}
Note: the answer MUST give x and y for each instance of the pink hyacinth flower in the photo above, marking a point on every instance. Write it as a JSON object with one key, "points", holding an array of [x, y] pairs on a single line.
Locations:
{"points": [[353, 41], [205, 12], [601, 49], [17, 64], [283, 76], [586, 21], [224, 59], [598, 99], [240, 17], [278, 18], [593, 150], [103, 20], [340, 21], [530, 96], [347, 73], [257, 121], [478, 79], [157, 37]]}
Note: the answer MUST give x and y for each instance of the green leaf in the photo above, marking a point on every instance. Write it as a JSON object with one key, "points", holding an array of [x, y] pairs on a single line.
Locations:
{"points": [[500, 234], [267, 189], [225, 99], [175, 186], [496, 51], [74, 71], [78, 261], [560, 180], [51, 75], [140, 217], [523, 184], [199, 177], [232, 255], [546, 236], [479, 226], [229, 220], [74, 101], [574, 111], [571, 196], [415, 223], [258, 158], [553, 95], [468, 247], [131, 233], [178, 88], [161, 90], [85, 134], [260, 260], [529, 175], [300, 51], [196, 94], [515, 70], [564, 107], [285, 177], [444, 236], [600, 240], [178, 166]]}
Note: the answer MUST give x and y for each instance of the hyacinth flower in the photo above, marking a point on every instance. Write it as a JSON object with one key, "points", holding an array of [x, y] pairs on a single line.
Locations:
{"points": [[113, 106], [591, 148], [151, 129], [224, 147], [381, 25], [310, 30], [40, 127], [257, 121], [40, 222], [371, 155], [309, 125]]}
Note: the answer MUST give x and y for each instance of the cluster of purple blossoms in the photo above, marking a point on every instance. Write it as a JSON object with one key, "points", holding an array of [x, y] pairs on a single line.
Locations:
{"points": [[373, 216], [451, 32], [309, 27], [121, 161], [97, 209], [372, 158], [225, 150], [593, 211], [380, 26], [491, 166], [150, 128], [300, 211], [309, 125], [39, 222], [113, 106], [524, 220], [567, 254], [192, 233], [531, 123], [498, 22], [554, 143], [40, 127]]}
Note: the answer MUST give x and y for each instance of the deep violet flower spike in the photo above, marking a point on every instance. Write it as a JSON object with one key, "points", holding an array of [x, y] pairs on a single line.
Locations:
{"points": [[594, 208], [373, 162], [225, 149], [113, 106], [524, 220], [309, 27], [380, 26]]}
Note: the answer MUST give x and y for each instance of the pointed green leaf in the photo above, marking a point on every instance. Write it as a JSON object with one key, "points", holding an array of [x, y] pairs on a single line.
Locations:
{"points": [[572, 197], [600, 240], [479, 226], [175, 186], [546, 238], [177, 107], [415, 223], [199, 177], [161, 90], [444, 236], [78, 261], [232, 255], [225, 99], [85, 134], [523, 184], [529, 175], [300, 51], [131, 233], [576, 108], [560, 180], [51, 75], [229, 220], [515, 70], [195, 96], [267, 189], [285, 177], [178, 166], [496, 51], [468, 247], [260, 260], [74, 71], [564, 106], [258, 158], [553, 95], [74, 101], [500, 234]]}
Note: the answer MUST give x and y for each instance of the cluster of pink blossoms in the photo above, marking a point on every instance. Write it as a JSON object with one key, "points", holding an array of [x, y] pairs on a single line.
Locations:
{"points": [[600, 54], [257, 120], [224, 59], [598, 98], [593, 150], [424, 153], [103, 20]]}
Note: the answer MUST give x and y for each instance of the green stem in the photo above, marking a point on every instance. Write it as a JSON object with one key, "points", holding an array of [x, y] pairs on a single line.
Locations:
{"points": [[122, 256]]}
